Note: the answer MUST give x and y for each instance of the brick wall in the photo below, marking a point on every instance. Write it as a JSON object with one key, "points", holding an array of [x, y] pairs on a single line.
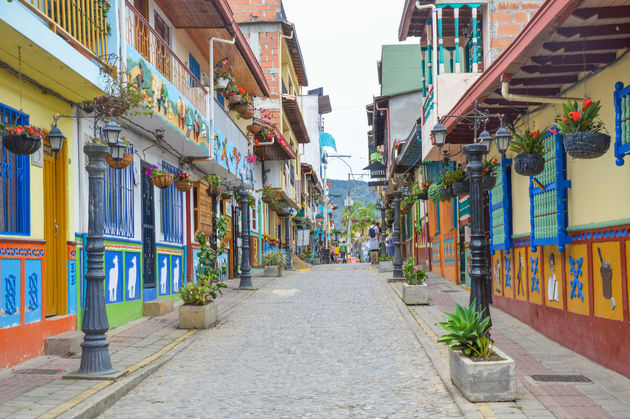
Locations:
{"points": [[507, 19], [256, 10]]}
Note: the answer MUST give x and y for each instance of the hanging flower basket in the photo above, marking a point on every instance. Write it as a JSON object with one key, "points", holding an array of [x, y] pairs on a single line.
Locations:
{"points": [[586, 145], [247, 115], [213, 191], [530, 164], [461, 188], [122, 164], [111, 105], [405, 210], [241, 108], [254, 129], [225, 195], [267, 199], [235, 99], [222, 82], [448, 192], [163, 180], [183, 186], [423, 195], [21, 144], [488, 182]]}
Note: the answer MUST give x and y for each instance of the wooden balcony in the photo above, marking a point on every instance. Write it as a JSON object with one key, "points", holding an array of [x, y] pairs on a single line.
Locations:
{"points": [[83, 23]]}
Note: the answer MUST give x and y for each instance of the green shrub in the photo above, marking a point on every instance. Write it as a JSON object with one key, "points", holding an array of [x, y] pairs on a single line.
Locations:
{"points": [[468, 331], [275, 258], [413, 275], [385, 258], [435, 192]]}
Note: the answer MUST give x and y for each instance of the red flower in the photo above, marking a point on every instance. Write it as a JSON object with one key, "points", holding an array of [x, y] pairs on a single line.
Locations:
{"points": [[587, 102], [575, 115], [241, 91], [257, 142], [534, 134], [566, 121]]}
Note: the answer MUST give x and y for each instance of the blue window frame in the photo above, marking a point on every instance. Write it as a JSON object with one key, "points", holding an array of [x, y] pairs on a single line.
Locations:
{"points": [[548, 205], [622, 122], [172, 210], [119, 208], [15, 182], [195, 69], [501, 209]]}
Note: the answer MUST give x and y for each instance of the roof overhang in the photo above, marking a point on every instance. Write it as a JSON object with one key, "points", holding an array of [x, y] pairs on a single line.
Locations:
{"points": [[279, 149], [379, 119], [294, 115], [288, 29], [411, 153], [564, 42], [413, 21]]}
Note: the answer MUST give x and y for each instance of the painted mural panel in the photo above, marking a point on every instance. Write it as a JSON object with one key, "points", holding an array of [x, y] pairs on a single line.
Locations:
{"points": [[163, 272], [607, 280], [535, 284], [520, 273], [577, 278], [497, 272], [32, 290], [195, 263], [508, 275], [10, 292], [133, 272], [169, 104], [178, 273], [113, 277], [72, 283], [231, 158], [552, 276], [468, 256], [223, 261]]}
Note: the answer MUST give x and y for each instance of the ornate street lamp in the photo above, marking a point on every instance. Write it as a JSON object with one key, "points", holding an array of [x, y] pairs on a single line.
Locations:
{"points": [[486, 139], [111, 132], [246, 277], [118, 150], [56, 137], [502, 139], [439, 134], [398, 273]]}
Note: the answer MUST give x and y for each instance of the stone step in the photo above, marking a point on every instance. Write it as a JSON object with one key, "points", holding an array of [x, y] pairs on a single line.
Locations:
{"points": [[157, 307], [67, 343]]}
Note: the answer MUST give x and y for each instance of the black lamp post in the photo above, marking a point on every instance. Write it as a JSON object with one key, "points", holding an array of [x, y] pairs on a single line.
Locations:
{"points": [[246, 277], [287, 235], [398, 273]]}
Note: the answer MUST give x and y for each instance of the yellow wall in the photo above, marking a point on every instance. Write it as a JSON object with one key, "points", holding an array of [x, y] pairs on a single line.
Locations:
{"points": [[41, 109]]}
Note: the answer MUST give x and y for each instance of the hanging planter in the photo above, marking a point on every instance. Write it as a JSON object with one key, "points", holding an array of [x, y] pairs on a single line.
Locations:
{"points": [[235, 99], [183, 182], [222, 82], [488, 182], [423, 195], [530, 164], [22, 139], [111, 105], [586, 145], [122, 164], [267, 199], [461, 188], [247, 115], [225, 195], [213, 191], [241, 108], [448, 192], [254, 129], [162, 181]]}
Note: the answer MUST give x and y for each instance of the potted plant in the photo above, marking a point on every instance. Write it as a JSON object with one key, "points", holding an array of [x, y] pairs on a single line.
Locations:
{"points": [[21, 139], [583, 130], [251, 201], [199, 310], [435, 193], [254, 129], [274, 262], [122, 96], [265, 134], [183, 182], [422, 190], [406, 204], [385, 263], [414, 287], [530, 149], [242, 106], [222, 75], [456, 180], [160, 178], [488, 179], [268, 194], [214, 185], [479, 370], [233, 92]]}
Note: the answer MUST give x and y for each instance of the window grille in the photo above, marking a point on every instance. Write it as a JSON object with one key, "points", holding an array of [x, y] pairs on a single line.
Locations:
{"points": [[119, 208], [622, 122], [172, 210], [501, 209], [15, 208]]}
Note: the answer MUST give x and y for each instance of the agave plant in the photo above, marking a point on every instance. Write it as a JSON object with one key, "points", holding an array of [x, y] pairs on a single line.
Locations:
{"points": [[467, 331]]}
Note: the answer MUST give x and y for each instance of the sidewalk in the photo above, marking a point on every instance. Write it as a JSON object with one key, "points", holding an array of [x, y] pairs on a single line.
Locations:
{"points": [[36, 388], [608, 395]]}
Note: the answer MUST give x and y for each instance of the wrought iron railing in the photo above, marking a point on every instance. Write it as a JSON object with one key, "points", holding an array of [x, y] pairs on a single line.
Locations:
{"points": [[144, 39], [83, 23]]}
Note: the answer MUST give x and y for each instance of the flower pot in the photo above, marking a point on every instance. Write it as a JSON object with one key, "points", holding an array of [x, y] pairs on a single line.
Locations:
{"points": [[21, 144], [423, 196], [122, 164], [267, 199], [235, 99], [225, 195], [488, 182], [529, 164], [111, 105], [586, 145], [483, 381], [272, 271], [254, 129], [241, 108], [162, 181], [415, 294], [247, 115], [222, 82], [386, 266], [461, 188], [183, 186], [448, 192], [198, 317], [213, 190]]}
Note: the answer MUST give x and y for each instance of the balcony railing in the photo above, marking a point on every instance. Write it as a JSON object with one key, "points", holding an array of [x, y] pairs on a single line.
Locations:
{"points": [[83, 23], [144, 39]]}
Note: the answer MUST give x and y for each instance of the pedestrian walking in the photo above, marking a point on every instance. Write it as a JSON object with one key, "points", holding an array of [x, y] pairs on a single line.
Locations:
{"points": [[343, 251], [374, 233]]}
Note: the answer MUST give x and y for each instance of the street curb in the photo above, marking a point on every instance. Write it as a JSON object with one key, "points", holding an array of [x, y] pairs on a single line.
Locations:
{"points": [[467, 409]]}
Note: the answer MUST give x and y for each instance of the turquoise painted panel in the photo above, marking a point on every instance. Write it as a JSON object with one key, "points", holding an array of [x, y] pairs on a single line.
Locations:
{"points": [[33, 290], [10, 292], [72, 286], [133, 272]]}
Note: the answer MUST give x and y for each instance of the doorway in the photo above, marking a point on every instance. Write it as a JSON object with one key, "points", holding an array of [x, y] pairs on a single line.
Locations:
{"points": [[148, 232], [56, 291]]}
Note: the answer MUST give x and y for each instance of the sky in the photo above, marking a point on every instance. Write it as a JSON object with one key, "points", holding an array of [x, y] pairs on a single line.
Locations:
{"points": [[341, 43]]}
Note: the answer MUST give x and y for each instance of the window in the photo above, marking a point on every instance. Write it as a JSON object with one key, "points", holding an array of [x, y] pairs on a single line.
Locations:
{"points": [[162, 51], [622, 122], [119, 201], [194, 67], [172, 210], [254, 218], [14, 182], [162, 29], [501, 209]]}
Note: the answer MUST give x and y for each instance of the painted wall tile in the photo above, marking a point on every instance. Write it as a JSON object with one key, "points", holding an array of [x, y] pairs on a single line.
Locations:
{"points": [[223, 261], [551, 268], [607, 280], [72, 287], [519, 280], [178, 274], [32, 290], [508, 274], [113, 277], [10, 292], [577, 278], [195, 263], [133, 272], [535, 284], [163, 272], [497, 272]]}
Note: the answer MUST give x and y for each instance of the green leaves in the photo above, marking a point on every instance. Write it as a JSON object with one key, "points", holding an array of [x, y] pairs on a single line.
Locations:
{"points": [[468, 331], [413, 275], [530, 142], [453, 175], [435, 192], [274, 258], [585, 119]]}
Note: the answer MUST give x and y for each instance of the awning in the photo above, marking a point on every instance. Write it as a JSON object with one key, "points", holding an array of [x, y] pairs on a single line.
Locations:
{"points": [[294, 115], [411, 153]]}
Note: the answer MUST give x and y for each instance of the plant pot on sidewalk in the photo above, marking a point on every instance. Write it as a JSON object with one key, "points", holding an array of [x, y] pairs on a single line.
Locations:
{"points": [[272, 271], [483, 381], [415, 294], [198, 317], [386, 266]]}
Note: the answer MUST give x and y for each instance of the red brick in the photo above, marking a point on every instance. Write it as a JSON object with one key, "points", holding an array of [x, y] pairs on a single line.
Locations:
{"points": [[512, 29], [500, 43], [501, 17], [521, 17]]}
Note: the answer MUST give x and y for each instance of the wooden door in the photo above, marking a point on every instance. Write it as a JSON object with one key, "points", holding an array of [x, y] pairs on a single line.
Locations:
{"points": [[56, 291]]}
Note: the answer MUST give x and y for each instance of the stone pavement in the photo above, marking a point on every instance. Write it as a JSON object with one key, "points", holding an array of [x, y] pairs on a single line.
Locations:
{"points": [[607, 396], [329, 342], [35, 388]]}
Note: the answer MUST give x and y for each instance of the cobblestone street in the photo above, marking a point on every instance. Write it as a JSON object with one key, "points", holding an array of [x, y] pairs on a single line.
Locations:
{"points": [[328, 342]]}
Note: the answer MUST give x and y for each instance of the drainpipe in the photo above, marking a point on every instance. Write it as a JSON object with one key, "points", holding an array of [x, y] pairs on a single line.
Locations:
{"points": [[505, 92], [210, 94], [434, 53]]}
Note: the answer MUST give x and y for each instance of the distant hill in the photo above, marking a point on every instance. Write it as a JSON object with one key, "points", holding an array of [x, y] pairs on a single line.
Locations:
{"points": [[359, 191]]}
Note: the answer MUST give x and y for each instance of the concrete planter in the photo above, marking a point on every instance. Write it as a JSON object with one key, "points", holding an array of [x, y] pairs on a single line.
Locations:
{"points": [[415, 294], [386, 266], [198, 317], [272, 271], [492, 381]]}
